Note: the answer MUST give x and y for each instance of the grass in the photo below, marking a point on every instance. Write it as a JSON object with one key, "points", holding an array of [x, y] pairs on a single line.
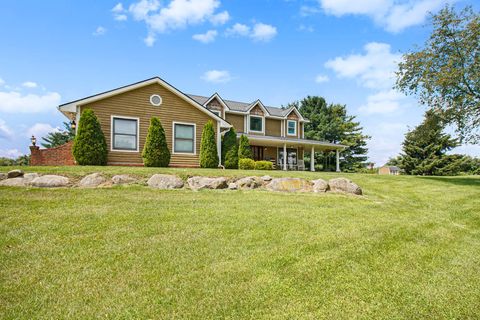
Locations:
{"points": [[407, 249]]}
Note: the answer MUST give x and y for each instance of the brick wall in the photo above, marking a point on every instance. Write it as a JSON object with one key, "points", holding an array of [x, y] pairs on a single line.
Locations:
{"points": [[59, 156]]}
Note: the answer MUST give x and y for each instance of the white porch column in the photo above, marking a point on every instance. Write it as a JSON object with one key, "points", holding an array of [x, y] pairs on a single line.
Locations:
{"points": [[284, 156], [219, 144], [312, 159], [338, 160]]}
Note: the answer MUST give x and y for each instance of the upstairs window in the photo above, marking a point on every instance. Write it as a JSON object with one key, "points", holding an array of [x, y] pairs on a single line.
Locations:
{"points": [[217, 112], [124, 134], [292, 127], [183, 138], [256, 124]]}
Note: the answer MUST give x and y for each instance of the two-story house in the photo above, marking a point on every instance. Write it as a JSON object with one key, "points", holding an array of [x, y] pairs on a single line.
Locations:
{"points": [[124, 114]]}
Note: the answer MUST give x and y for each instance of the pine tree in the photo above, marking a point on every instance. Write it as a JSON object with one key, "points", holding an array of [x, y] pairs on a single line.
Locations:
{"points": [[208, 147], [155, 152], [90, 147], [58, 138], [244, 150], [425, 146], [230, 149]]}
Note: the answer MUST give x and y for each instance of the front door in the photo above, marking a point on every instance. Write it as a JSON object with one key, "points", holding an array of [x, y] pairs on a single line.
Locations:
{"points": [[257, 153], [291, 157]]}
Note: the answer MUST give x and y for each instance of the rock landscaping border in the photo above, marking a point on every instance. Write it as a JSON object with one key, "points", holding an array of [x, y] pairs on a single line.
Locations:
{"points": [[17, 178]]}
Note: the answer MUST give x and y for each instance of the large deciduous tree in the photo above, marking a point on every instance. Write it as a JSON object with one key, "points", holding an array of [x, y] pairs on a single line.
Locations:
{"points": [[445, 72]]}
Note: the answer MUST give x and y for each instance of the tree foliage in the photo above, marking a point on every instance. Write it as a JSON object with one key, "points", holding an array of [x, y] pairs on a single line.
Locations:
{"points": [[230, 149], [445, 73], [23, 160], [58, 138], [208, 147], [244, 150], [90, 147], [155, 152], [331, 123]]}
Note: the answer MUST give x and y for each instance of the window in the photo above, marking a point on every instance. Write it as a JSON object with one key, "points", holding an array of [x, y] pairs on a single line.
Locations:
{"points": [[256, 123], [155, 100], [183, 138], [124, 134], [217, 112], [292, 127]]}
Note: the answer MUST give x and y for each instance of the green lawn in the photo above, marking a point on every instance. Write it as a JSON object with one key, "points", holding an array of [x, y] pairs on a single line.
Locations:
{"points": [[408, 249]]}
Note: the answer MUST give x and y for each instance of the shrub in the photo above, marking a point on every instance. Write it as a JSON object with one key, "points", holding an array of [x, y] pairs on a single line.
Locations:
{"points": [[89, 146], [263, 165], [208, 147], [246, 164], [244, 151], [155, 152], [230, 150]]}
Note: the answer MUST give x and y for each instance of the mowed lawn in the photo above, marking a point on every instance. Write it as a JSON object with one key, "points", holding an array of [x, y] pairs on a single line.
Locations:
{"points": [[408, 249]]}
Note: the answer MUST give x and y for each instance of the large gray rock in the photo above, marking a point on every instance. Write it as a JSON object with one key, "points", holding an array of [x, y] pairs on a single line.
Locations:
{"points": [[15, 173], [289, 185], [320, 186], [50, 181], [13, 182], [266, 178], [232, 186], [165, 181], [28, 177], [196, 183], [344, 185], [123, 179], [92, 180], [3, 176], [249, 182]]}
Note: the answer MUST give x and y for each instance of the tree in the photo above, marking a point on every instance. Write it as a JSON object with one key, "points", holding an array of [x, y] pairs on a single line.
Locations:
{"points": [[90, 147], [445, 73], [394, 161], [244, 150], [425, 147], [208, 147], [58, 138], [331, 123], [155, 152], [230, 149]]}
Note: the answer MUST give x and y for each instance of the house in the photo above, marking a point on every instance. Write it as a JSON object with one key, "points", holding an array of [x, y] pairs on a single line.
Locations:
{"points": [[124, 114], [392, 170]]}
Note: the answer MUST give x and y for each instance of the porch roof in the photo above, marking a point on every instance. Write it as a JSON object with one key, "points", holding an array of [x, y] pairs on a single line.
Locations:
{"points": [[279, 141]]}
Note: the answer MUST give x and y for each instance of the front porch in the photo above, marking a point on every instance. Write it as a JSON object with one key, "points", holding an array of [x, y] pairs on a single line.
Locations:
{"points": [[274, 148]]}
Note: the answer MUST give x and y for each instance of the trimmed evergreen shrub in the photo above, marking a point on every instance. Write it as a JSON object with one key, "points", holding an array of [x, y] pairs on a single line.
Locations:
{"points": [[90, 146], [155, 152], [263, 165], [244, 150], [246, 164], [230, 149], [208, 147]]}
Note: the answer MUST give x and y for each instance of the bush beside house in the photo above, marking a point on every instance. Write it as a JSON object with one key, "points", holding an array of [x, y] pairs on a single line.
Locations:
{"points": [[208, 147], [155, 152], [263, 165], [230, 150], [246, 164], [90, 146]]}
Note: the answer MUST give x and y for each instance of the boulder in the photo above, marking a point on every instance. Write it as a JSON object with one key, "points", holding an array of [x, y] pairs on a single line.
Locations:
{"points": [[266, 178], [232, 186], [28, 177], [344, 185], [123, 179], [13, 182], [320, 185], [3, 176], [15, 173], [50, 181], [165, 181], [289, 185], [196, 183], [92, 180], [249, 182]]}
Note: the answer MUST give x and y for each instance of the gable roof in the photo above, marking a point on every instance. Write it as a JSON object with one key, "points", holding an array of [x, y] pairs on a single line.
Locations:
{"points": [[72, 106]]}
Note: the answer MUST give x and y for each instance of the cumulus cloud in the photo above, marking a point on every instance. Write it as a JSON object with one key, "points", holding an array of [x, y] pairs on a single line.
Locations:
{"points": [[10, 153], [238, 29], [2, 82], [150, 40], [29, 84], [100, 31], [40, 130], [217, 76], [220, 18], [15, 102], [258, 32], [321, 78], [5, 132], [393, 15], [206, 37], [382, 102], [119, 12]]}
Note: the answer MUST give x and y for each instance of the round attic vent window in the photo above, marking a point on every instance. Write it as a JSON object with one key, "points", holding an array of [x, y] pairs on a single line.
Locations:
{"points": [[155, 100]]}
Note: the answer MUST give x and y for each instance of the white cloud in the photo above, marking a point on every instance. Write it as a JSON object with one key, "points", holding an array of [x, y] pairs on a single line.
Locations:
{"points": [[150, 40], [141, 9], [14, 102], [100, 31], [263, 32], [382, 102], [5, 131], [2, 82], [393, 15], [220, 18], [206, 37], [10, 153], [217, 76], [305, 28], [30, 84], [321, 78], [40, 130], [386, 141], [119, 12], [238, 29]]}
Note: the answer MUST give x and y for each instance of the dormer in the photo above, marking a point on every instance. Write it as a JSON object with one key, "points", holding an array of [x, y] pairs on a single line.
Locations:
{"points": [[256, 113], [216, 105]]}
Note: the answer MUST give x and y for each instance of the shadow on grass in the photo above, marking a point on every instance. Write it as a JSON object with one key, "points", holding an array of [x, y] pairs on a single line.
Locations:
{"points": [[460, 181]]}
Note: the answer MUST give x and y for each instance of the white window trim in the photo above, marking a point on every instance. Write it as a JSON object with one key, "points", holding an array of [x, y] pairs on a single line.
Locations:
{"points": [[295, 133], [215, 112], [194, 138], [112, 149], [263, 123]]}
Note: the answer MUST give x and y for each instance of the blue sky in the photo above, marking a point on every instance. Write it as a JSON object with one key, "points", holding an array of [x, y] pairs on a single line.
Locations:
{"points": [[276, 50]]}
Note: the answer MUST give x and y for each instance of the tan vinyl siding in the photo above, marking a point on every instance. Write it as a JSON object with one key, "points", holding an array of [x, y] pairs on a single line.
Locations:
{"points": [[273, 127], [236, 120], [136, 103]]}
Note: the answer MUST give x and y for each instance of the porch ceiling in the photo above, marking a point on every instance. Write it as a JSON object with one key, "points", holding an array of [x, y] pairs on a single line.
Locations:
{"points": [[271, 141]]}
